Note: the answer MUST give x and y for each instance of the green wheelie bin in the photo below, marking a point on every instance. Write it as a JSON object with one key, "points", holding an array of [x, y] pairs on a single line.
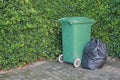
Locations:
{"points": [[76, 33]]}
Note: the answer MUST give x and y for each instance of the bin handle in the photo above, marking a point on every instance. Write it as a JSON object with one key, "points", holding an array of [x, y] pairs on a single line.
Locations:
{"points": [[81, 22]]}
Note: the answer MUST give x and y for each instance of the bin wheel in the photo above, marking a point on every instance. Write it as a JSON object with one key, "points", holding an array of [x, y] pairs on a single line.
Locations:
{"points": [[77, 63], [60, 58]]}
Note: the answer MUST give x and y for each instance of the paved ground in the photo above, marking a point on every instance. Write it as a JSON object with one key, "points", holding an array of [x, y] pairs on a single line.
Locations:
{"points": [[52, 70]]}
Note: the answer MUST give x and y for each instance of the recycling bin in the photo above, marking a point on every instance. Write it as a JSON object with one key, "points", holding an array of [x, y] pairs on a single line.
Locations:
{"points": [[76, 33]]}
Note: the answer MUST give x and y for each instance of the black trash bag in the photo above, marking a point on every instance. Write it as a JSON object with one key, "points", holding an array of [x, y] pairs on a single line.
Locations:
{"points": [[94, 55]]}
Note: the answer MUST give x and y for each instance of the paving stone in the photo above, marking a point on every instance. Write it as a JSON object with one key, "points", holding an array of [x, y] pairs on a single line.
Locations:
{"points": [[53, 70]]}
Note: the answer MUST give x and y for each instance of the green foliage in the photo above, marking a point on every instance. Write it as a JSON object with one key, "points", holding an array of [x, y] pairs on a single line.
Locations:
{"points": [[29, 29]]}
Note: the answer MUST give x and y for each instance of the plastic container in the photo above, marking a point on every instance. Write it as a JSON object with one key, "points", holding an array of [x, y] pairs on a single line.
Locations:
{"points": [[76, 33]]}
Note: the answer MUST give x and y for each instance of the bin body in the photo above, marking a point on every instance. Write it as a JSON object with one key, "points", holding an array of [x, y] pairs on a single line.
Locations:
{"points": [[76, 33]]}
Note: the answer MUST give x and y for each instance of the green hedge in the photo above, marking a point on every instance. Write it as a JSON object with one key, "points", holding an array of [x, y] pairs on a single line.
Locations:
{"points": [[29, 29]]}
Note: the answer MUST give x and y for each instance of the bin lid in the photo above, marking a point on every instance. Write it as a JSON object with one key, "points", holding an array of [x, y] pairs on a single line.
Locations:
{"points": [[73, 20]]}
